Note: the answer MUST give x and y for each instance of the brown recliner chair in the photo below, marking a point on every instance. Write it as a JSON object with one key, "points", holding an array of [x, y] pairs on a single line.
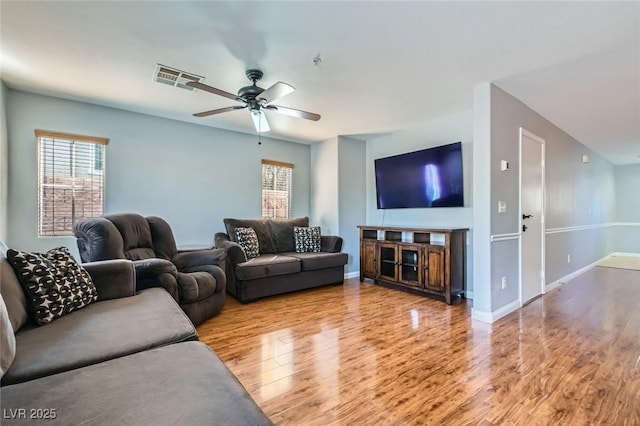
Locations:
{"points": [[195, 279]]}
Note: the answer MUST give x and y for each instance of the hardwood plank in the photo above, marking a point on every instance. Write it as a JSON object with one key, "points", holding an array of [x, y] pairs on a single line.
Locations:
{"points": [[365, 354]]}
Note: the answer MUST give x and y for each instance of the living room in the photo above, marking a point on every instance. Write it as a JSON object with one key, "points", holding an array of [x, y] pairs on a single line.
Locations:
{"points": [[162, 161]]}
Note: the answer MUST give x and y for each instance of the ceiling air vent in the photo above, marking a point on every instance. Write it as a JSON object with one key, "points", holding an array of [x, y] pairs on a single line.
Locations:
{"points": [[174, 77]]}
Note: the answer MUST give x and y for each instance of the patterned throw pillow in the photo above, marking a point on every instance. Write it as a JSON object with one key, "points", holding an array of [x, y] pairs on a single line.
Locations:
{"points": [[248, 240], [307, 239], [55, 284]]}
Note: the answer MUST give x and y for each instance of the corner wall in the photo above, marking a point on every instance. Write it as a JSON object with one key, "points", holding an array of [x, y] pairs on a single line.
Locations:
{"points": [[627, 229], [351, 197], [324, 186], [193, 176], [337, 192]]}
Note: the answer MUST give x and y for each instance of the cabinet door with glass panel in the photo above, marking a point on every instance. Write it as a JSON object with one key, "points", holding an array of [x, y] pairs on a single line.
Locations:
{"points": [[388, 261], [410, 267]]}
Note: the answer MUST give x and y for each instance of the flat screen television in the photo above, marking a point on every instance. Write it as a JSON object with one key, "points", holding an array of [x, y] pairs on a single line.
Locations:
{"points": [[428, 178]]}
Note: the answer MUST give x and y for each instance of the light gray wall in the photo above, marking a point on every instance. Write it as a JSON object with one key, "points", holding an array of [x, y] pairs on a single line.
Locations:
{"points": [[4, 152], [482, 278], [324, 186], [578, 194], [627, 231], [352, 154], [453, 128], [337, 192], [193, 176]]}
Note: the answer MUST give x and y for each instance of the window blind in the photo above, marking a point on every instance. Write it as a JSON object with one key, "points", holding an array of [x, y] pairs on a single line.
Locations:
{"points": [[276, 189], [70, 180]]}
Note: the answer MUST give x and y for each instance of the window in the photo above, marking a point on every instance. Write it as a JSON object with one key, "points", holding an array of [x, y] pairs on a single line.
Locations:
{"points": [[70, 180], [276, 189]]}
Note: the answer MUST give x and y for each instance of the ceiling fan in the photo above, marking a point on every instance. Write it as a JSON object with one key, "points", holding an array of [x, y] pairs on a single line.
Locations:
{"points": [[256, 99]]}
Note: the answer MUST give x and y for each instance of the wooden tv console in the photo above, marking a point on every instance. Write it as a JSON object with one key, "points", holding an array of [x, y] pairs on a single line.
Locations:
{"points": [[415, 259]]}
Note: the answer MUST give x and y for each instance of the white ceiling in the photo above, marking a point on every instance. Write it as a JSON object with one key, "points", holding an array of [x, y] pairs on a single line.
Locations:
{"points": [[385, 65]]}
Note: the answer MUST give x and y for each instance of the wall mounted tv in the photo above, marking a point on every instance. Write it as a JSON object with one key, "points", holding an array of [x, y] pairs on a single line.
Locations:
{"points": [[428, 178]]}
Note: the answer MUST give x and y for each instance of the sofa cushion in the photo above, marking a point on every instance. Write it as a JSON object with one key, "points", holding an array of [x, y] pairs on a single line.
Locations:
{"points": [[248, 240], [184, 384], [13, 294], [267, 265], [196, 286], [282, 232], [55, 283], [322, 260], [7, 340], [259, 225], [101, 331], [136, 235], [307, 239]]}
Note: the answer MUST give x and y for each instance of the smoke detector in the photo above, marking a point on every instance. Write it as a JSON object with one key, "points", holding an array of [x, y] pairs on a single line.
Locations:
{"points": [[174, 77]]}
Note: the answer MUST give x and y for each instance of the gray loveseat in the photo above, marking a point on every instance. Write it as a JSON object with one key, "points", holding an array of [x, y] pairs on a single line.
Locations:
{"points": [[278, 269], [127, 358]]}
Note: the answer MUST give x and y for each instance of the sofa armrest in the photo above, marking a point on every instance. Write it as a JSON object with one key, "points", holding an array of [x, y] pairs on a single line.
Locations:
{"points": [[149, 268], [185, 260], [156, 272], [235, 253], [330, 243], [113, 278], [220, 238]]}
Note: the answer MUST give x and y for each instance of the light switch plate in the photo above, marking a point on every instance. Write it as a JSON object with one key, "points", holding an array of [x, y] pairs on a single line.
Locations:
{"points": [[504, 165], [502, 206]]}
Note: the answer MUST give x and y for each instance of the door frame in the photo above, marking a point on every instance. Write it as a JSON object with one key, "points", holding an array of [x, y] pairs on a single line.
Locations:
{"points": [[525, 133]]}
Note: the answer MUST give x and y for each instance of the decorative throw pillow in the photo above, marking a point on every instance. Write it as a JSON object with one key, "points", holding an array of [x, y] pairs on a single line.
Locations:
{"points": [[55, 284], [248, 240], [307, 239]]}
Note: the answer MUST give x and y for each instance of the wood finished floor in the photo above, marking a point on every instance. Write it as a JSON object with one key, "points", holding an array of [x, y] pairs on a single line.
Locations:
{"points": [[361, 354]]}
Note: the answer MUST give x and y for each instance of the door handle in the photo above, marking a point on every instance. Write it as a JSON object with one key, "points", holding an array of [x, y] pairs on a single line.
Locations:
{"points": [[524, 228], [526, 216]]}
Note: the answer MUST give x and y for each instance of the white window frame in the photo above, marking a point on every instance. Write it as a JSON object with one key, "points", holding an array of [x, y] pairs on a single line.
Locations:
{"points": [[73, 140], [268, 195]]}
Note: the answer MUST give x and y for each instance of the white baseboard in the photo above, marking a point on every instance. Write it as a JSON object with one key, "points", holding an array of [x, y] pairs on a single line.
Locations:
{"points": [[481, 315], [494, 316], [624, 254], [352, 274], [560, 281]]}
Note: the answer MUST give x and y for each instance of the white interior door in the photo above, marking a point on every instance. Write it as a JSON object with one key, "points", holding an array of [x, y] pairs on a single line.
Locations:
{"points": [[531, 216]]}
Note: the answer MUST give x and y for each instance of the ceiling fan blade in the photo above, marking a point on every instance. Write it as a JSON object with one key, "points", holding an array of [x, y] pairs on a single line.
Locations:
{"points": [[293, 112], [274, 92], [202, 86], [260, 121], [218, 111]]}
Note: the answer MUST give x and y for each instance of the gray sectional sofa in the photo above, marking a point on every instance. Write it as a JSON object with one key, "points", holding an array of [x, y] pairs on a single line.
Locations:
{"points": [[127, 359], [279, 268]]}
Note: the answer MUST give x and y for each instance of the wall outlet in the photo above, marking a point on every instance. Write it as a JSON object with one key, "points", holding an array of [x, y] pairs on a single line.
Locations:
{"points": [[568, 258], [504, 282]]}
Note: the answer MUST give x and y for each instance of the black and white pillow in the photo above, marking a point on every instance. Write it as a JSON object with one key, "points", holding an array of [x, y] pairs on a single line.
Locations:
{"points": [[306, 239], [248, 240], [54, 282]]}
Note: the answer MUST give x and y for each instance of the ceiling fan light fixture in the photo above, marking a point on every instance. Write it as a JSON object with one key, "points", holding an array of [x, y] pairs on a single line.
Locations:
{"points": [[260, 121], [256, 99]]}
